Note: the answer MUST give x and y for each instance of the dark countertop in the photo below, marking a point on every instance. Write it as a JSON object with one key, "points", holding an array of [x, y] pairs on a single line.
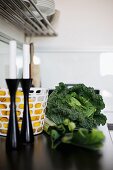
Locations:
{"points": [[41, 157]]}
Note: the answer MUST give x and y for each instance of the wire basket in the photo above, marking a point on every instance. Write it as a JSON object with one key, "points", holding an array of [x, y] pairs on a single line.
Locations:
{"points": [[37, 104]]}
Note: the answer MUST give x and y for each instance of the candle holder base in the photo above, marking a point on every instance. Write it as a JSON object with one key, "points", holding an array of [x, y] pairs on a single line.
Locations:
{"points": [[13, 136], [26, 130]]}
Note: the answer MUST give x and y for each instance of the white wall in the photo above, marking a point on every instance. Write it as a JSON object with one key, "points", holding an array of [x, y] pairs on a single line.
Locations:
{"points": [[4, 63], [10, 30], [83, 25], [85, 36], [91, 68]]}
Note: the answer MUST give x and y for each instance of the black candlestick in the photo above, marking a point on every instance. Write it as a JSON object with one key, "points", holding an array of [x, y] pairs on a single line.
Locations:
{"points": [[27, 130], [13, 136]]}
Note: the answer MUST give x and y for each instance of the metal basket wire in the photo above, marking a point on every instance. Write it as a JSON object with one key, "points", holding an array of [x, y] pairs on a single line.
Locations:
{"points": [[37, 103]]}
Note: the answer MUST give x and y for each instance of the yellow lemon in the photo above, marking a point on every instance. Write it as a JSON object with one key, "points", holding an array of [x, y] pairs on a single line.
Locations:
{"points": [[37, 117], [4, 112], [2, 93], [4, 119], [20, 120], [38, 105], [18, 99], [30, 100], [19, 93], [30, 105], [33, 118], [3, 106], [4, 99], [20, 125], [31, 112], [36, 124], [18, 113], [39, 111], [7, 99], [5, 125], [3, 131], [8, 112], [21, 106]]}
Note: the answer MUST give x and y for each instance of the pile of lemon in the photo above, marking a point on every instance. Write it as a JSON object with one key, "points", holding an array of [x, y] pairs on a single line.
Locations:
{"points": [[37, 112]]}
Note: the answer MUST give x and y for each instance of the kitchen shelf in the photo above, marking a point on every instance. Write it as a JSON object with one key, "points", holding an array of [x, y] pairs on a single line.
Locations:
{"points": [[17, 13]]}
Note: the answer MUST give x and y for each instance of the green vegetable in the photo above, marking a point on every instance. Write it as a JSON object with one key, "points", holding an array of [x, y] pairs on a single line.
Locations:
{"points": [[79, 104], [82, 137], [73, 115], [66, 121], [71, 126]]}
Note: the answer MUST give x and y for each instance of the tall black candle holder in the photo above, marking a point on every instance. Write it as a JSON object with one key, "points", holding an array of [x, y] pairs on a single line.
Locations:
{"points": [[13, 136], [26, 130]]}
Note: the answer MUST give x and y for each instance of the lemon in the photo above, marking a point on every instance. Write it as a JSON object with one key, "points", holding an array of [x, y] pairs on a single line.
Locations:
{"points": [[36, 124], [2, 93], [37, 105], [39, 111]]}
